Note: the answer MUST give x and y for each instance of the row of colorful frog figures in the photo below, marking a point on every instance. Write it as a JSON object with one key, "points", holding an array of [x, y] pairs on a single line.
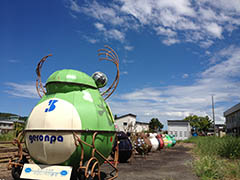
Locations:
{"points": [[142, 143]]}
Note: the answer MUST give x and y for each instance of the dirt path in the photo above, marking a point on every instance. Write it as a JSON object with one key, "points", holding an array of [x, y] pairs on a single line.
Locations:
{"points": [[168, 164]]}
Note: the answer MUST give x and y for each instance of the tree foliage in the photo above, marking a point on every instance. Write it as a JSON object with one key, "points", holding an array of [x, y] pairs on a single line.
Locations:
{"points": [[199, 123], [155, 125]]}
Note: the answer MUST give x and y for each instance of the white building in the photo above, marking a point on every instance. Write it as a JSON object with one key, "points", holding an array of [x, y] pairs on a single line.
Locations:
{"points": [[128, 123], [180, 128], [142, 126], [6, 126], [7, 123]]}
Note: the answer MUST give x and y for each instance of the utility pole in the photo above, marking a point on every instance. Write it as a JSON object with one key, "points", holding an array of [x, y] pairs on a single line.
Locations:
{"points": [[213, 114]]}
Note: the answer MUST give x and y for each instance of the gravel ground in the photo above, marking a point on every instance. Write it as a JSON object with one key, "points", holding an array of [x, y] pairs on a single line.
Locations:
{"points": [[167, 164]]}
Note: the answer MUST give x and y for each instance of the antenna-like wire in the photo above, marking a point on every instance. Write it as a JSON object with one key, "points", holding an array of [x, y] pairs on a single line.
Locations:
{"points": [[110, 55]]}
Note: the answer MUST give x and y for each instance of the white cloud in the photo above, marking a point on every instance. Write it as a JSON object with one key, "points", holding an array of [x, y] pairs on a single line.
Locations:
{"points": [[100, 26], [200, 22], [165, 31], [73, 15], [27, 90], [176, 102], [170, 41], [111, 33], [228, 68], [231, 5], [115, 34], [89, 39], [129, 48], [74, 6], [13, 61], [214, 29], [206, 44], [97, 11], [207, 52], [207, 14], [127, 61], [123, 72], [93, 41], [184, 76]]}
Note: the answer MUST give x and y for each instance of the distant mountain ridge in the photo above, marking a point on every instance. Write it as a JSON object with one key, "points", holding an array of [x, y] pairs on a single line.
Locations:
{"points": [[7, 115]]}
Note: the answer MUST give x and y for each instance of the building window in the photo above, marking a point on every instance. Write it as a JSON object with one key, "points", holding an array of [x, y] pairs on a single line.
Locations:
{"points": [[180, 133], [176, 134], [125, 123], [185, 133]]}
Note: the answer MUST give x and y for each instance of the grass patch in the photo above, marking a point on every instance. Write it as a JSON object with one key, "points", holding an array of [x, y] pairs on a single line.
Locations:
{"points": [[208, 168], [8, 136], [216, 158], [229, 147]]}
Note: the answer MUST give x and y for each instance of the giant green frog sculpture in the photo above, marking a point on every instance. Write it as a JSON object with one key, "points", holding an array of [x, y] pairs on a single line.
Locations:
{"points": [[71, 107]]}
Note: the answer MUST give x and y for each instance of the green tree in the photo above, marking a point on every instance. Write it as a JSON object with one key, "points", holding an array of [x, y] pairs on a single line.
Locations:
{"points": [[199, 123], [155, 125]]}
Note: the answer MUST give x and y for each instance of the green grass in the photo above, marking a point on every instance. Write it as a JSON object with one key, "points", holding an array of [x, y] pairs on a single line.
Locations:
{"points": [[208, 167], [8, 136], [216, 158]]}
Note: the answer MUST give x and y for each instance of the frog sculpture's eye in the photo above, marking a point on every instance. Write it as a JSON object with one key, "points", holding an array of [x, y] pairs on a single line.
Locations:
{"points": [[100, 79]]}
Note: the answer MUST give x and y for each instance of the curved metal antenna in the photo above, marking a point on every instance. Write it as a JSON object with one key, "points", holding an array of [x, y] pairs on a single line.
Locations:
{"points": [[40, 89], [110, 55]]}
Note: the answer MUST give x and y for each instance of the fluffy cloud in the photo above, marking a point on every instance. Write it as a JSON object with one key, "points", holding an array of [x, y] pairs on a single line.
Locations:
{"points": [[111, 33], [178, 20], [176, 102], [128, 48], [100, 26], [170, 41], [27, 90], [214, 29], [185, 76]]}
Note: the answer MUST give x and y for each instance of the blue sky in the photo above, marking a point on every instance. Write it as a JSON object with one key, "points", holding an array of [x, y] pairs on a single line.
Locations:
{"points": [[173, 54]]}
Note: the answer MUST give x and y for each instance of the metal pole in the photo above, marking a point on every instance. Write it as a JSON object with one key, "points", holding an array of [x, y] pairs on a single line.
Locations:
{"points": [[213, 115]]}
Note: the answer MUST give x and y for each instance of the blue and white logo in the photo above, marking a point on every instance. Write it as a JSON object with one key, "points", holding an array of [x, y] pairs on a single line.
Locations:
{"points": [[63, 172], [51, 105], [28, 170]]}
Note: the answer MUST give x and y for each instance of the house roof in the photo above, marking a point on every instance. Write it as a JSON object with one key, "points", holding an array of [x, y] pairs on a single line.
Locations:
{"points": [[133, 115], [6, 122], [219, 125], [143, 123], [232, 110], [177, 121]]}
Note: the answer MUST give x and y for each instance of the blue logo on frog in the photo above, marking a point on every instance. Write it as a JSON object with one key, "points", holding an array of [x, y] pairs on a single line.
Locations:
{"points": [[51, 105], [28, 170], [63, 172]]}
